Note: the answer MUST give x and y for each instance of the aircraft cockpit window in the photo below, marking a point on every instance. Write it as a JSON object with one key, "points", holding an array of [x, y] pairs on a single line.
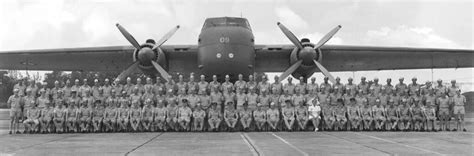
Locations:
{"points": [[237, 22]]}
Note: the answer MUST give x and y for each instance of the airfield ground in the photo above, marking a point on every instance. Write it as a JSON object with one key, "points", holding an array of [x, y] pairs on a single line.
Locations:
{"points": [[238, 143]]}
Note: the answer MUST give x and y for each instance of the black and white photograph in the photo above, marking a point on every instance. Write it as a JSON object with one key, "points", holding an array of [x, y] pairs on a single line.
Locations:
{"points": [[236, 77]]}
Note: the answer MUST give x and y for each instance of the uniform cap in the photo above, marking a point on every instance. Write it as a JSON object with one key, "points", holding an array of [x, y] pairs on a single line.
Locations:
{"points": [[56, 82], [96, 80], [138, 79], [128, 78], [272, 104], [227, 76], [77, 80], [16, 90], [106, 80]]}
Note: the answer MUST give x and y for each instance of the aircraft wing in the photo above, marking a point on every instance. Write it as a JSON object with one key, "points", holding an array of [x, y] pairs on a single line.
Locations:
{"points": [[111, 58], [276, 58]]}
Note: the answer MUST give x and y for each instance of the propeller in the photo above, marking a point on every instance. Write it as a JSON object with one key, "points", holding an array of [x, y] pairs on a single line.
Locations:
{"points": [[299, 47], [145, 51]]}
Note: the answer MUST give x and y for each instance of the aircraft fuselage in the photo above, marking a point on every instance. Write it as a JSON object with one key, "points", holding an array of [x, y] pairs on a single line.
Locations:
{"points": [[226, 47]]}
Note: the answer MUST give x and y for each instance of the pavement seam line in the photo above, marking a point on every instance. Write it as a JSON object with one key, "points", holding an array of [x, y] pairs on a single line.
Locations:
{"points": [[148, 141], [357, 143], [42, 143], [289, 144], [390, 141], [250, 144]]}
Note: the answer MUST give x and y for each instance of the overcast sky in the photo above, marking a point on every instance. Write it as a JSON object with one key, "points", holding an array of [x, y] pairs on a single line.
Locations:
{"points": [[37, 24]]}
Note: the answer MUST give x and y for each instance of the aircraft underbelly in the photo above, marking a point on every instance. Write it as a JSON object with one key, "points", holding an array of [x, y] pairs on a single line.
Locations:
{"points": [[222, 59]]}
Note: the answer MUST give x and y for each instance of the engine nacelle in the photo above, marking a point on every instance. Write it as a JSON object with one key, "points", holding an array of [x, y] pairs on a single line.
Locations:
{"points": [[145, 55], [307, 67]]}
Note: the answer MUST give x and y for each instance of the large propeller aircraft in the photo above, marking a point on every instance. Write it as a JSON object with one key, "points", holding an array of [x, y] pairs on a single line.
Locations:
{"points": [[226, 47]]}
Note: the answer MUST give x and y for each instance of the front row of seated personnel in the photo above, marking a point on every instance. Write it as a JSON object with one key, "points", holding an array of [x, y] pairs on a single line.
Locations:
{"points": [[126, 116]]}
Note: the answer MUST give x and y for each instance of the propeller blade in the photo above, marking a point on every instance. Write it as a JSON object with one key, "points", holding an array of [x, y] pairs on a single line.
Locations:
{"points": [[128, 36], [162, 71], [327, 36], [290, 70], [131, 68], [166, 37], [325, 72], [290, 36]]}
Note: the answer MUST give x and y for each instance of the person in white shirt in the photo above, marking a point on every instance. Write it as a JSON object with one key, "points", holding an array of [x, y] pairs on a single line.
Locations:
{"points": [[314, 110]]}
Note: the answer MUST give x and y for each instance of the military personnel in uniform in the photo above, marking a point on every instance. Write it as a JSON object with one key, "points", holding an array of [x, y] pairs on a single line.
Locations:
{"points": [[203, 85], [192, 85], [32, 121], [260, 117], [215, 85], [338, 86], [301, 87], [240, 84], [21, 86], [376, 87], [312, 87], [77, 87], [413, 87], [301, 116], [182, 86], [325, 85], [401, 87], [55, 90], [46, 118], [288, 113], [71, 118], [363, 85], [198, 118], [245, 116], [231, 117], [85, 87], [459, 102], [59, 114], [107, 88], [273, 116], [66, 89], [159, 113], [227, 86], [128, 87], [290, 87], [147, 115], [251, 85], [388, 88], [123, 114], [214, 117], [277, 85], [85, 117]]}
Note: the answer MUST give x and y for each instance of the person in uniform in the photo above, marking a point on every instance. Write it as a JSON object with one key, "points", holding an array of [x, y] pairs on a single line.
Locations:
{"points": [[21, 86], [203, 85], [277, 85], [172, 116], [159, 113], [128, 87], [229, 96], [367, 116], [425, 90], [273, 116], [301, 116], [301, 87], [340, 113], [147, 115], [205, 101], [98, 116], [135, 116], [95, 89], [74, 99], [260, 117], [32, 121], [313, 87], [140, 86], [354, 115], [443, 103], [376, 87], [430, 112], [379, 115], [240, 84], [227, 86], [214, 117], [264, 99], [33, 88], [263, 85], [350, 87], [216, 97], [43, 100], [182, 86], [414, 87], [440, 89], [338, 86], [46, 118], [298, 99], [77, 87], [405, 117], [459, 102], [288, 113], [326, 86], [111, 113], [363, 85], [251, 85], [107, 88], [85, 87], [136, 96], [59, 114], [314, 110], [193, 100], [401, 87], [84, 115], [388, 88], [27, 103], [159, 88], [231, 117], [290, 87], [148, 94], [252, 100], [123, 114], [418, 117], [214, 85], [393, 117], [241, 99], [71, 118], [184, 115], [47, 91], [245, 116], [192, 85], [361, 99], [198, 118]]}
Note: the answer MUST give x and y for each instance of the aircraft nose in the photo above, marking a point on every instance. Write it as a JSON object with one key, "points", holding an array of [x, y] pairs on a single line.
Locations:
{"points": [[145, 55], [307, 54]]}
